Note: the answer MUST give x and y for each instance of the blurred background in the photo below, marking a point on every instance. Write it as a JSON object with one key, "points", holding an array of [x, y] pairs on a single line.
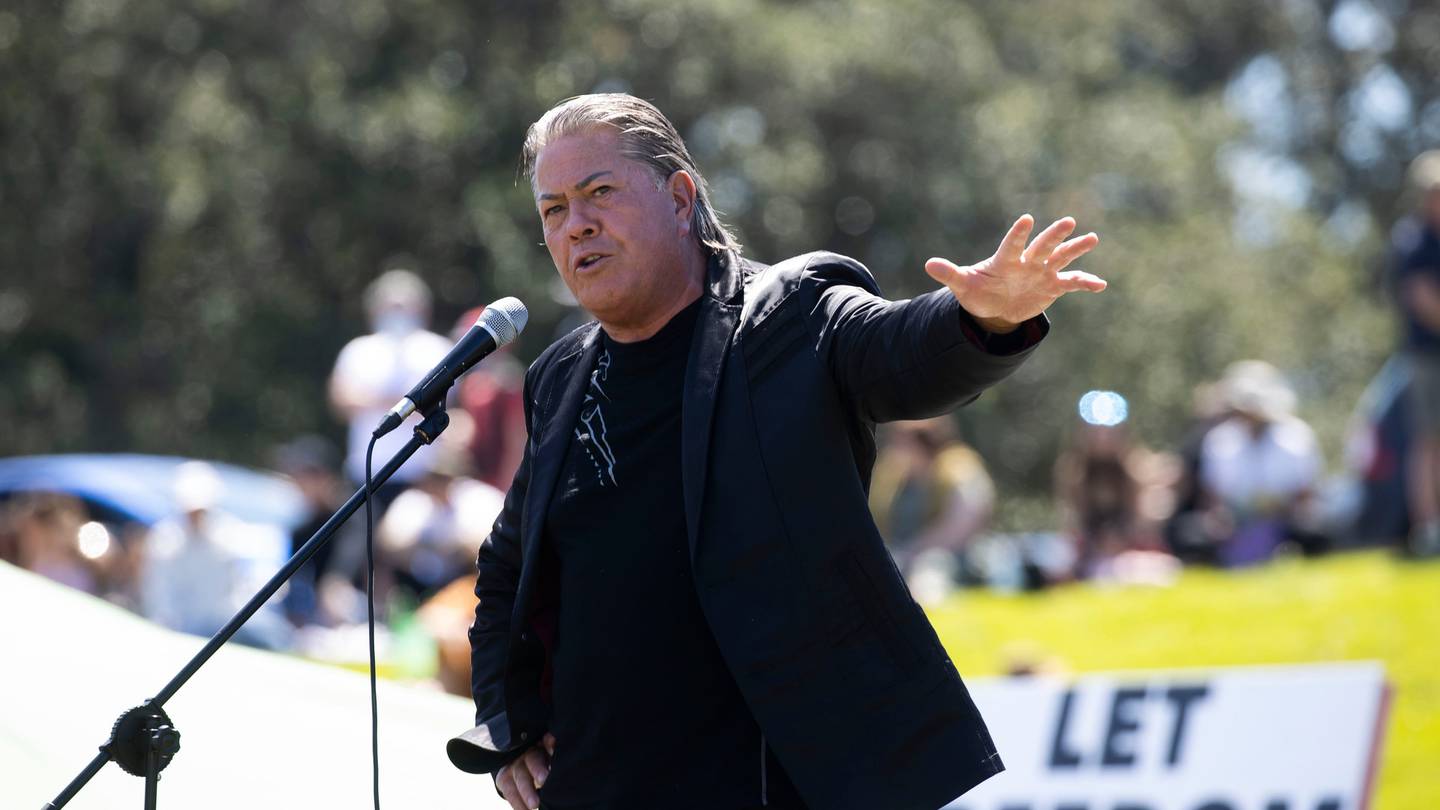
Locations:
{"points": [[231, 230]]}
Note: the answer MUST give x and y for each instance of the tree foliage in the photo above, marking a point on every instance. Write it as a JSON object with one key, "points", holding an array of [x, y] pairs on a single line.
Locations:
{"points": [[195, 192]]}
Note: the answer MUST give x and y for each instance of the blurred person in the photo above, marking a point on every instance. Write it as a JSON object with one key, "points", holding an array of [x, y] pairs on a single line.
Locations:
{"points": [[328, 589], [374, 371], [1377, 460], [491, 396], [1260, 468], [929, 492], [687, 553], [1103, 482], [199, 567], [1099, 496], [432, 531], [39, 532], [1186, 527], [1416, 266]]}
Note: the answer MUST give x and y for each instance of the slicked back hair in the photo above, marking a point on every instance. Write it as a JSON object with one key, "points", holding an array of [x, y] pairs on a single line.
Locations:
{"points": [[647, 137]]}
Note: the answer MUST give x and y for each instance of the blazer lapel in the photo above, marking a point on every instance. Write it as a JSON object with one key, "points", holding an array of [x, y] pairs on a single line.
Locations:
{"points": [[573, 373], [714, 328]]}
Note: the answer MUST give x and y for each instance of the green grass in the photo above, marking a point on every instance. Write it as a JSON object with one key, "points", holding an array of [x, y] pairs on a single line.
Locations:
{"points": [[1366, 606]]}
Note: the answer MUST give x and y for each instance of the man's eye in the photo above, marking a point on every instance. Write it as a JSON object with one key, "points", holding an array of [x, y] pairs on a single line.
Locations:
{"points": [[554, 209], [601, 191]]}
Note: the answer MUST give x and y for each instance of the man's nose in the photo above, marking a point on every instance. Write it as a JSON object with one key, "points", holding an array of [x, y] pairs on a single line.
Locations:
{"points": [[582, 223]]}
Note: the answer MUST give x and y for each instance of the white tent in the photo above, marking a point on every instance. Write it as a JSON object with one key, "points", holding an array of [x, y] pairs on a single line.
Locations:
{"points": [[257, 729]]}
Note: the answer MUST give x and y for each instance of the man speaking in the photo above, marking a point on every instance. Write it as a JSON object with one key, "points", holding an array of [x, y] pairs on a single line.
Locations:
{"points": [[685, 604]]}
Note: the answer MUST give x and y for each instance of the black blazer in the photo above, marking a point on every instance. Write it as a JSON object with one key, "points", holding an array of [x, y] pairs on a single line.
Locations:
{"points": [[790, 368]]}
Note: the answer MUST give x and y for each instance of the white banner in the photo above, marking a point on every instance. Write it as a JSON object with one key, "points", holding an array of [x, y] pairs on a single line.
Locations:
{"points": [[1261, 738]]}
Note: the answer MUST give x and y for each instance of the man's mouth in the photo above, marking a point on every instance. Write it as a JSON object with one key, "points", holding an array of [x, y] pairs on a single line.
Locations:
{"points": [[588, 260]]}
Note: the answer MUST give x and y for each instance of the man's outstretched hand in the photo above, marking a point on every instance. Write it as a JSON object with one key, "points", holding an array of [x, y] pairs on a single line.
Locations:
{"points": [[1019, 282], [519, 782]]}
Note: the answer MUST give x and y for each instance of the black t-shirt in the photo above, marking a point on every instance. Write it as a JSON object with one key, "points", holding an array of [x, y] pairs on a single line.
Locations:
{"points": [[645, 713], [1416, 253]]}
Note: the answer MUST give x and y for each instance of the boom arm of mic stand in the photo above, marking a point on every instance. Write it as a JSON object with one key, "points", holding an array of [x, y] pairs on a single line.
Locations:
{"points": [[426, 432]]}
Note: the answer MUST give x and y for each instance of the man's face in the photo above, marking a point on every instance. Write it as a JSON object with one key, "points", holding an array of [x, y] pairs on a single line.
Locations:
{"points": [[617, 235]]}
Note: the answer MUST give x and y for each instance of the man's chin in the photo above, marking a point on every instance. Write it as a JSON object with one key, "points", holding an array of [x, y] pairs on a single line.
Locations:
{"points": [[605, 307]]}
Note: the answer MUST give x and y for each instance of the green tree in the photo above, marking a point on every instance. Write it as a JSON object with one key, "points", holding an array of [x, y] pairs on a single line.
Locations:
{"points": [[195, 193]]}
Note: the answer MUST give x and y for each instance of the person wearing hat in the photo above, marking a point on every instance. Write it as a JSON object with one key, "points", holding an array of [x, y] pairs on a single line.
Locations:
{"points": [[1260, 467], [1417, 288]]}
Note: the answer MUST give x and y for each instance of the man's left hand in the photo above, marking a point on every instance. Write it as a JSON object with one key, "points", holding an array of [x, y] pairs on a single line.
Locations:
{"points": [[1019, 282]]}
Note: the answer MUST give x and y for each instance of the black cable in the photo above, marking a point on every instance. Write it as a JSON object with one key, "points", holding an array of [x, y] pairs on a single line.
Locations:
{"points": [[370, 611]]}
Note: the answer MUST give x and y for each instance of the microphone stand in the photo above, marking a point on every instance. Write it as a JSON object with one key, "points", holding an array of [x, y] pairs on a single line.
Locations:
{"points": [[143, 740]]}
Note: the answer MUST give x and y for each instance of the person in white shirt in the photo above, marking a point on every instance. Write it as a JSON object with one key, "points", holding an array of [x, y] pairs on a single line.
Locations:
{"points": [[202, 565], [1260, 467], [374, 371], [432, 532]]}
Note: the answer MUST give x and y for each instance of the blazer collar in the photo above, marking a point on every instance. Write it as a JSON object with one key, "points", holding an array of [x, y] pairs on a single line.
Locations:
{"points": [[722, 280]]}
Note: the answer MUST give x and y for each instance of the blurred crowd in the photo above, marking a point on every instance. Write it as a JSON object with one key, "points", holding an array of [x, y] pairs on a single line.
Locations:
{"points": [[192, 570], [1242, 488], [1246, 483]]}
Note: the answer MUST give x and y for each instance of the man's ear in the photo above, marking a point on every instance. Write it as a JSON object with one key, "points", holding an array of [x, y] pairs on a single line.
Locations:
{"points": [[682, 192]]}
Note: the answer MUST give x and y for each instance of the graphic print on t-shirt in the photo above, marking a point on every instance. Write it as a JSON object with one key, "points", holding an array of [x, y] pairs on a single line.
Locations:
{"points": [[591, 430]]}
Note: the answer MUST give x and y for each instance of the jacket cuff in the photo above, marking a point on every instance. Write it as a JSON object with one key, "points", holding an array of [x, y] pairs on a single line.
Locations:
{"points": [[480, 749], [1025, 336]]}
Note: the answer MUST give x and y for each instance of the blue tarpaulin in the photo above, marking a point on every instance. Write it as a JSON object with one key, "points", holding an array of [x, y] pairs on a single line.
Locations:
{"points": [[141, 488]]}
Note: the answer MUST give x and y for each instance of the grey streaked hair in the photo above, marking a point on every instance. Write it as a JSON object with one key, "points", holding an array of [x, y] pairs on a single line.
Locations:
{"points": [[646, 136]]}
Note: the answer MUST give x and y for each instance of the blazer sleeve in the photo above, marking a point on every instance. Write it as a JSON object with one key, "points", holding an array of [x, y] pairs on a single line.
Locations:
{"points": [[910, 359], [490, 745]]}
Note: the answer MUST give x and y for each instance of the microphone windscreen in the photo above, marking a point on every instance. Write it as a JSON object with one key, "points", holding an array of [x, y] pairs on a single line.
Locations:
{"points": [[504, 319]]}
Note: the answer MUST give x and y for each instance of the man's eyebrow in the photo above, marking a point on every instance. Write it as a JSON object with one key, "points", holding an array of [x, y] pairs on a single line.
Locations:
{"points": [[578, 186]]}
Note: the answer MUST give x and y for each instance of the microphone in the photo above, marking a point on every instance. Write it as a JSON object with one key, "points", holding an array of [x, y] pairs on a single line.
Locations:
{"points": [[496, 326]]}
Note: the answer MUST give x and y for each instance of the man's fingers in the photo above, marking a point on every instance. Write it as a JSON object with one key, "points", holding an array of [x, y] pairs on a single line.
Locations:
{"points": [[1072, 250], [520, 782], [1013, 245], [525, 789], [505, 782], [1049, 239], [943, 270], [538, 762], [1080, 281]]}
